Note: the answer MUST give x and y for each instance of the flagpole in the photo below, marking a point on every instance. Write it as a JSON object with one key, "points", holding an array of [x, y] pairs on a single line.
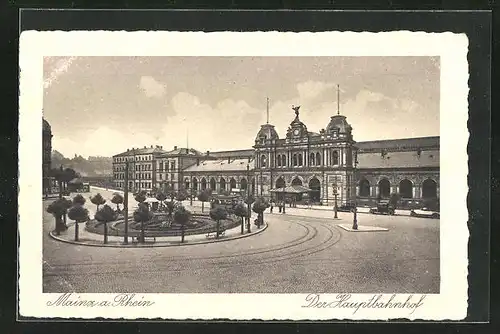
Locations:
{"points": [[338, 99]]}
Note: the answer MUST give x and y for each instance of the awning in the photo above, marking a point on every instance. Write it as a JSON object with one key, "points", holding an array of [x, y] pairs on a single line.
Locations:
{"points": [[297, 189], [151, 200]]}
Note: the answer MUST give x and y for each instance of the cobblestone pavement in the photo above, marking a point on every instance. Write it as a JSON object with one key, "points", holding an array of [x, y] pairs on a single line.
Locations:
{"points": [[300, 252]]}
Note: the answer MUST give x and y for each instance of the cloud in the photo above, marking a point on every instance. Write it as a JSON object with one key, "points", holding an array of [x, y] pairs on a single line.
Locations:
{"points": [[233, 124], [312, 89], [151, 87], [227, 125]]}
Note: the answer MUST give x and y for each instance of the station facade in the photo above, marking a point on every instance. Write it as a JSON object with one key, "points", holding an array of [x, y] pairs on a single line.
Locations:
{"points": [[327, 162]]}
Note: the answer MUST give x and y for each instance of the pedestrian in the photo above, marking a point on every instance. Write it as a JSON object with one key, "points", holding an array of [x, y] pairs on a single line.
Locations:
{"points": [[279, 206], [271, 208]]}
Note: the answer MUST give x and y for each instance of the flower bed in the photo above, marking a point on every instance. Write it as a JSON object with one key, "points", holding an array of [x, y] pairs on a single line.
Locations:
{"points": [[205, 225]]}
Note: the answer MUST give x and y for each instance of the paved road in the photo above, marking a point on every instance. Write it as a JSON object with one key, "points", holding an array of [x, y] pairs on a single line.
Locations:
{"points": [[296, 254]]}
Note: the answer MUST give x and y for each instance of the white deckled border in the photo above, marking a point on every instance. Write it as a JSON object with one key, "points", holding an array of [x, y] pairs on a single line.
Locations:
{"points": [[452, 49]]}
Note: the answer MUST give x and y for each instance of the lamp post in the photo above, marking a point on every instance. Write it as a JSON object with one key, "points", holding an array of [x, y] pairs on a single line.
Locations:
{"points": [[335, 208], [248, 199], [125, 202], [191, 189], [355, 218]]}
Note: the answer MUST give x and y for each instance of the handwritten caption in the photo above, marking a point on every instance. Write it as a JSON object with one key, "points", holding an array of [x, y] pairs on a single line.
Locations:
{"points": [[120, 300], [345, 301]]}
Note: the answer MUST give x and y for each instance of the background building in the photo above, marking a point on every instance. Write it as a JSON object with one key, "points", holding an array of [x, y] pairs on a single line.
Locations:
{"points": [[320, 161], [47, 180]]}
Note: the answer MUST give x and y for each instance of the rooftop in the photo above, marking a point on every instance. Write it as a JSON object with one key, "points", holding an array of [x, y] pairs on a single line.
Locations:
{"points": [[399, 144], [222, 165], [141, 151], [408, 159], [182, 151]]}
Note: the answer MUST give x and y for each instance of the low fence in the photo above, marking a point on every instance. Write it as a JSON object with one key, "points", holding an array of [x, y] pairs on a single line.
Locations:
{"points": [[96, 227]]}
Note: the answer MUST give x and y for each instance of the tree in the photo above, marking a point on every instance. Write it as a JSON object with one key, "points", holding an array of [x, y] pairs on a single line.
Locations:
{"points": [[218, 213], [161, 197], [97, 200], [67, 175], [241, 211], [170, 206], [259, 206], [181, 195], [79, 214], [117, 199], [248, 201], [170, 192], [58, 208], [142, 215], [105, 215], [79, 200], [182, 217], [204, 196], [140, 197]]}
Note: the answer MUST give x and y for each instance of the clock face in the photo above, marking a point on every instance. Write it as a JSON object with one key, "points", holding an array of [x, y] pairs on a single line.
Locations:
{"points": [[296, 132]]}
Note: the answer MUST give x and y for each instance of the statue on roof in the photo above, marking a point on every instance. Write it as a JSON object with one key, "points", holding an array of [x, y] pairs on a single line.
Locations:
{"points": [[296, 109]]}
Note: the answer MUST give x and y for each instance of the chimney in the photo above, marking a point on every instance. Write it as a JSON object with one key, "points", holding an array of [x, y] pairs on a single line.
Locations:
{"points": [[249, 159], [128, 149], [151, 146], [228, 160], [208, 153], [144, 146], [198, 162], [175, 147]]}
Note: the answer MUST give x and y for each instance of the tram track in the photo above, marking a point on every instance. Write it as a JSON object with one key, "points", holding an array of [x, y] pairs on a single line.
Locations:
{"points": [[232, 260]]}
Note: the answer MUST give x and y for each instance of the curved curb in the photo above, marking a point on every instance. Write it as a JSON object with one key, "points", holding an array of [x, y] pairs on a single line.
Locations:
{"points": [[158, 244]]}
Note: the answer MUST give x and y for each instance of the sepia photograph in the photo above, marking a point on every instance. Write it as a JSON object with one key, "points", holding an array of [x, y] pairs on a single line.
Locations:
{"points": [[254, 178], [261, 167]]}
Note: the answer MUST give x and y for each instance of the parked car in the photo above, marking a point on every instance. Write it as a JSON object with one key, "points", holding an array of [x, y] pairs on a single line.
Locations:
{"points": [[384, 207], [424, 213], [346, 207]]}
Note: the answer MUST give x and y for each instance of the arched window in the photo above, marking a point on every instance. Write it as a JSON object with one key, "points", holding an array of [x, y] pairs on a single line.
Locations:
{"points": [[283, 160], [300, 159], [203, 184], [263, 161], [195, 183], [315, 187], [222, 184], [335, 158], [232, 184], [243, 184], [296, 182], [212, 183], [311, 159], [364, 188], [429, 189], [295, 163], [318, 159], [384, 188], [280, 183], [278, 160], [406, 188]]}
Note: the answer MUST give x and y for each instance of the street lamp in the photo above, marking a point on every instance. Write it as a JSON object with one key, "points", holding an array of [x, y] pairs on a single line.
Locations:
{"points": [[125, 202], [248, 198], [191, 188], [355, 218], [335, 208]]}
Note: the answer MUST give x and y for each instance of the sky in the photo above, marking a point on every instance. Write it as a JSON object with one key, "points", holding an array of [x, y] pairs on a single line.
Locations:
{"points": [[104, 105]]}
